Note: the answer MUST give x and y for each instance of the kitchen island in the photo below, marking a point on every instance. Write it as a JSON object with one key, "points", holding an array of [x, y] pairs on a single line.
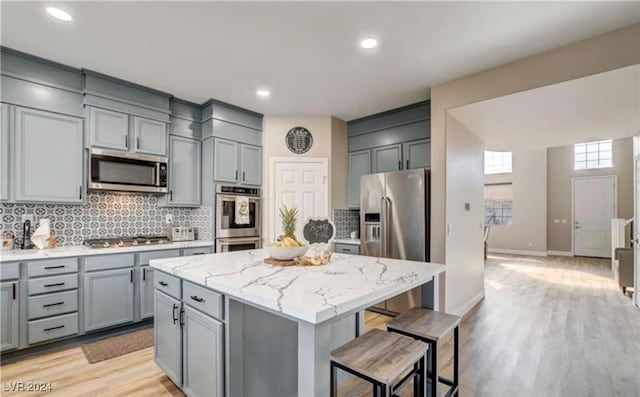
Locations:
{"points": [[280, 323]]}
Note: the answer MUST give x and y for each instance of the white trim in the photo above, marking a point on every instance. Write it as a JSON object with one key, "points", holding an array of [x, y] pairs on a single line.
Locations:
{"points": [[573, 201], [272, 183], [559, 253], [517, 252], [468, 305], [636, 219]]}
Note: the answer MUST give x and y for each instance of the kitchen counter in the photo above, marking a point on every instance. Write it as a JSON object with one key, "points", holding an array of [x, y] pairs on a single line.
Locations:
{"points": [[350, 241], [19, 255]]}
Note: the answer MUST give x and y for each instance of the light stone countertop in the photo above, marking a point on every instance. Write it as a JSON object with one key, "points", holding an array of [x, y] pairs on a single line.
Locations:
{"points": [[19, 255], [311, 293]]}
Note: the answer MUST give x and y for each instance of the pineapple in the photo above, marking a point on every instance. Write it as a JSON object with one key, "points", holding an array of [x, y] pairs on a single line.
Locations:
{"points": [[289, 217]]}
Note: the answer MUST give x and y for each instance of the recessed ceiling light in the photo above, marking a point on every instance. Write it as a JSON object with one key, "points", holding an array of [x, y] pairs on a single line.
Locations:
{"points": [[369, 43], [59, 14], [263, 93]]}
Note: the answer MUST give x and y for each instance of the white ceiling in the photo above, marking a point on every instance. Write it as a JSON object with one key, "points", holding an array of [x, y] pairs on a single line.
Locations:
{"points": [[602, 106], [306, 53]]}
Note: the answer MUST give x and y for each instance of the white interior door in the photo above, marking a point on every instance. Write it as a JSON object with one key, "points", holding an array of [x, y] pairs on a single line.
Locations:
{"points": [[302, 184], [594, 205], [636, 222]]}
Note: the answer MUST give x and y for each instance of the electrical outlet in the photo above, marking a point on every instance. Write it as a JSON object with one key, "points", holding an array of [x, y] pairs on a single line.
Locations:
{"points": [[27, 217], [168, 219]]}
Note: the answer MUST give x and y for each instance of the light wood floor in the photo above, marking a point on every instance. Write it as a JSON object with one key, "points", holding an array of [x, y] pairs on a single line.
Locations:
{"points": [[548, 327]]}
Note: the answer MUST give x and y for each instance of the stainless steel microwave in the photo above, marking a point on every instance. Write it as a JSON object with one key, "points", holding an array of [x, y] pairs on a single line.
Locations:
{"points": [[127, 172]]}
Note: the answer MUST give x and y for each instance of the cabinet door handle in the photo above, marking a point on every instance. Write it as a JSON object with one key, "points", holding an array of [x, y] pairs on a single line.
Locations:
{"points": [[236, 175], [13, 287], [52, 328], [53, 304], [144, 273], [131, 276], [407, 164], [126, 141], [197, 298], [243, 178], [170, 195], [173, 313], [54, 267], [181, 317], [138, 143], [163, 283], [399, 164], [80, 192], [54, 285]]}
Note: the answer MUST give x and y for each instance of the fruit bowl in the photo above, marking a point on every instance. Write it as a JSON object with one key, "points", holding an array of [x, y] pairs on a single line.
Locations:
{"points": [[286, 253]]}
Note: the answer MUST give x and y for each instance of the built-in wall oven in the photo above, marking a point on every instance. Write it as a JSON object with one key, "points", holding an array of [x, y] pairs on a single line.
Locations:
{"points": [[237, 218], [127, 172]]}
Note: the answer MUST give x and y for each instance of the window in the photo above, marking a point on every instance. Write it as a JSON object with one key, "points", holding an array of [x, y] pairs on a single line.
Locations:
{"points": [[590, 155], [497, 162], [498, 203]]}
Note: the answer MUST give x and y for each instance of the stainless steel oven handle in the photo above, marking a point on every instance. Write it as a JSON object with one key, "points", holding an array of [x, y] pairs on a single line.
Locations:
{"points": [[158, 174], [231, 241], [233, 198]]}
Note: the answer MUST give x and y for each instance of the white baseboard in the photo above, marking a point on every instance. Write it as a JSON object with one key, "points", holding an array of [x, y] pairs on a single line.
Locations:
{"points": [[517, 252], [559, 253], [468, 305]]}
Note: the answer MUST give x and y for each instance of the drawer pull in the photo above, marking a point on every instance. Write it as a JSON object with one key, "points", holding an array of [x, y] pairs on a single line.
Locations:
{"points": [[345, 250], [164, 284], [53, 328], [54, 285], [53, 304], [198, 253], [173, 314], [197, 298], [55, 267]]}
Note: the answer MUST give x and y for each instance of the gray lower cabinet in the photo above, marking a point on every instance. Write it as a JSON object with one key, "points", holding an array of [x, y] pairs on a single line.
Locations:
{"points": [[203, 347], [225, 160], [417, 154], [251, 164], [4, 152], [387, 158], [48, 158], [150, 136], [146, 292], [168, 336], [184, 171], [108, 298], [359, 165], [9, 306], [108, 129]]}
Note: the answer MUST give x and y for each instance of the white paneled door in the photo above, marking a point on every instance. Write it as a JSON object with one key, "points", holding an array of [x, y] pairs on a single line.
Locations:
{"points": [[300, 183], [594, 205], [636, 221]]}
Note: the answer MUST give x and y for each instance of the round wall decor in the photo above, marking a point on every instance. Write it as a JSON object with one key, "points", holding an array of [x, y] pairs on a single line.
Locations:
{"points": [[299, 140]]}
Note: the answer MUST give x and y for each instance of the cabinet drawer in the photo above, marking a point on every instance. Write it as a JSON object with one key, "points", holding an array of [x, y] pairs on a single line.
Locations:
{"points": [[53, 266], [9, 271], [53, 304], [166, 283], [203, 299], [107, 262], [53, 284], [52, 328], [196, 251], [145, 257], [347, 248]]}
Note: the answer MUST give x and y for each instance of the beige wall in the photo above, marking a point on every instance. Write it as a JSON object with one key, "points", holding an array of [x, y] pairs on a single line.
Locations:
{"points": [[606, 52], [559, 201], [528, 231], [329, 141]]}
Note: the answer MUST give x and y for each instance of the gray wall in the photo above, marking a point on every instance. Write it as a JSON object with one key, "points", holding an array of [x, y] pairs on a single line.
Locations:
{"points": [[559, 202]]}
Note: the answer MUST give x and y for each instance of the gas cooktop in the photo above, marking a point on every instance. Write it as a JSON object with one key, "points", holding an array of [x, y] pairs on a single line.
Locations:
{"points": [[126, 241]]}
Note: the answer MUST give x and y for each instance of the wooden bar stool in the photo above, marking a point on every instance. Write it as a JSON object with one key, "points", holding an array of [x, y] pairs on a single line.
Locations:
{"points": [[430, 326], [387, 361]]}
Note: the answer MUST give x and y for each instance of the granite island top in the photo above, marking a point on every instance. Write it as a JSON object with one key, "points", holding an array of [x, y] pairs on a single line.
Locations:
{"points": [[311, 293], [18, 255]]}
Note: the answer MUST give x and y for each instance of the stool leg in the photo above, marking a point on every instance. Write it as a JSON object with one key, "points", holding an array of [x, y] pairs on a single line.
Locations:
{"points": [[421, 379], [334, 380], [456, 354], [434, 369]]}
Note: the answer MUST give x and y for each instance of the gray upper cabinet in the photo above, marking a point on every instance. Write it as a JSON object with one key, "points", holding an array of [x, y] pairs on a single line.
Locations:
{"points": [[387, 158], [48, 157], [146, 292], [359, 165], [417, 154], [109, 129], [203, 348], [150, 136], [108, 298], [184, 171], [225, 157], [168, 336], [9, 338], [251, 164], [4, 152]]}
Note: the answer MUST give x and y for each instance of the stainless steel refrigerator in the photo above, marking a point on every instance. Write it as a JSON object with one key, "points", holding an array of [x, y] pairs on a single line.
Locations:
{"points": [[394, 223]]}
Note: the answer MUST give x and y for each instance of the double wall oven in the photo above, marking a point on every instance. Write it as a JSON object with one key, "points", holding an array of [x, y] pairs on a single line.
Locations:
{"points": [[237, 218]]}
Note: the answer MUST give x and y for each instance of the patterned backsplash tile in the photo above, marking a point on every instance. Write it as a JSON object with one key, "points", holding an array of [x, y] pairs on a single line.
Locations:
{"points": [[105, 215], [346, 221]]}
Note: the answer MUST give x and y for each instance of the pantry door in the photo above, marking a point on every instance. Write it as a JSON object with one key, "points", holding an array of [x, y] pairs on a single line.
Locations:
{"points": [[300, 183]]}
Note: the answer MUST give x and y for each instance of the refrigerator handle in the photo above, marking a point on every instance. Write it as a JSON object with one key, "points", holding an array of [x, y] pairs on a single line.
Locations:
{"points": [[387, 227], [383, 227]]}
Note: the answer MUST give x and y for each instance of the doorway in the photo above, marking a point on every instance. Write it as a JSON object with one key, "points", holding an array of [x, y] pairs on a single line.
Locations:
{"points": [[300, 183], [594, 205], [636, 237]]}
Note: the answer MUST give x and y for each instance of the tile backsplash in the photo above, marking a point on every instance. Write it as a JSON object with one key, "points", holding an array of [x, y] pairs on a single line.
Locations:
{"points": [[346, 221], [105, 215]]}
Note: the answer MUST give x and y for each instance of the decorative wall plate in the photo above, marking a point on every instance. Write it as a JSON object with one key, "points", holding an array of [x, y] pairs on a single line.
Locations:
{"points": [[299, 140]]}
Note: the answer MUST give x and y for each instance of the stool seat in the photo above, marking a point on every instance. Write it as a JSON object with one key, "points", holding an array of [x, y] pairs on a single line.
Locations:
{"points": [[424, 323], [380, 355]]}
